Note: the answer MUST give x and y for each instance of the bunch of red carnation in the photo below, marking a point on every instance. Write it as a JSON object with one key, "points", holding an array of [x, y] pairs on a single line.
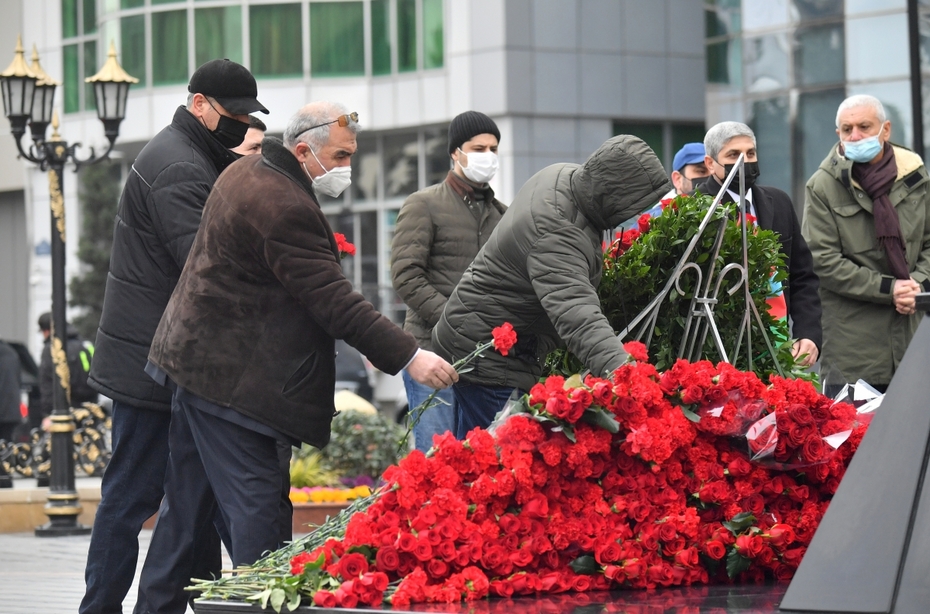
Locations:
{"points": [[633, 482]]}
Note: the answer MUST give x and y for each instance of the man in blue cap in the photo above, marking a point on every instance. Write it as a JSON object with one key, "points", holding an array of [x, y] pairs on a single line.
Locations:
{"points": [[687, 167]]}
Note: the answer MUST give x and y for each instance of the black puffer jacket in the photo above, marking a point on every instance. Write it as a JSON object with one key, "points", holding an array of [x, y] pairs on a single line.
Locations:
{"points": [[541, 266], [159, 213]]}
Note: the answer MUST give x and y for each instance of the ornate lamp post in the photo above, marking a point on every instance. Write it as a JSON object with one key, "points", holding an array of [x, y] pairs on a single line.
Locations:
{"points": [[28, 96]]}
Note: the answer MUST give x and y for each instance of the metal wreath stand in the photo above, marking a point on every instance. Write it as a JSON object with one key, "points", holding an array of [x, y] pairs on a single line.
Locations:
{"points": [[700, 319]]}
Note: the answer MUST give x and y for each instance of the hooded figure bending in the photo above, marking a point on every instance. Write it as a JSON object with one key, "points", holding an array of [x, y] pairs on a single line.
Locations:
{"points": [[539, 271]]}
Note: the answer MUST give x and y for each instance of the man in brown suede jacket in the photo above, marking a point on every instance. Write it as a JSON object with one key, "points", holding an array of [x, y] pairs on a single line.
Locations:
{"points": [[248, 339]]}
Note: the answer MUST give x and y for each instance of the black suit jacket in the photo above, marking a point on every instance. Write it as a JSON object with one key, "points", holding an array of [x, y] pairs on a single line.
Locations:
{"points": [[774, 211]]}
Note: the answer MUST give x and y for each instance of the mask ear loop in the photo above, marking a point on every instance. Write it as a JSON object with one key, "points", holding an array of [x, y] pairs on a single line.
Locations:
{"points": [[325, 170]]}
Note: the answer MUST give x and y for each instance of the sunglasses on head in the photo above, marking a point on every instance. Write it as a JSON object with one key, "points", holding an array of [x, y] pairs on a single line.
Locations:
{"points": [[343, 121]]}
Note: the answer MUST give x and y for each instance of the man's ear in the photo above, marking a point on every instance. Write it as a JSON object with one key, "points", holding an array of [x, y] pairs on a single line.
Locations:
{"points": [[676, 180]]}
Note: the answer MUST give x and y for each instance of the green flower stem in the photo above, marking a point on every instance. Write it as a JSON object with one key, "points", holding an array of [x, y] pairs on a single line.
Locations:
{"points": [[431, 399]]}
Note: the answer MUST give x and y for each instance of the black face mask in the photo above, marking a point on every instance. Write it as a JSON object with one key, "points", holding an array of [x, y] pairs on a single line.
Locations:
{"points": [[230, 132], [751, 174]]}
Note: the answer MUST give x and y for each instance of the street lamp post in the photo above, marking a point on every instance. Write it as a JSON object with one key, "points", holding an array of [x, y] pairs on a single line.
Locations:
{"points": [[28, 97]]}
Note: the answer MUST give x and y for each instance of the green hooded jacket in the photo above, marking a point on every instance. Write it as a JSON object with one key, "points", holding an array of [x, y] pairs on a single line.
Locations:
{"points": [[863, 335], [541, 266]]}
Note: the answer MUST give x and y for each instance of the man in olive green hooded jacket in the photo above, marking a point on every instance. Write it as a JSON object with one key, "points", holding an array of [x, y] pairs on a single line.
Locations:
{"points": [[869, 312], [539, 271]]}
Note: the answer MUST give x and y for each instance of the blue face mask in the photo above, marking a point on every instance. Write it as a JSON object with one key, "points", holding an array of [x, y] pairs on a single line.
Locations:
{"points": [[863, 150]]}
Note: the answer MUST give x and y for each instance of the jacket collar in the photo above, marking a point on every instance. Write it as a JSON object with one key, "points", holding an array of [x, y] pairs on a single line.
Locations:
{"points": [[278, 157], [187, 124], [840, 168]]}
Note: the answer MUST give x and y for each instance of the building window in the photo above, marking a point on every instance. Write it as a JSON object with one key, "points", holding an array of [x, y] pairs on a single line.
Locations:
{"points": [[665, 139], [401, 164], [686, 133], [169, 46], [275, 40], [432, 34], [337, 39], [69, 19], [72, 90], [651, 133], [79, 53], [131, 4], [406, 35], [218, 34], [380, 38], [132, 42], [387, 168]]}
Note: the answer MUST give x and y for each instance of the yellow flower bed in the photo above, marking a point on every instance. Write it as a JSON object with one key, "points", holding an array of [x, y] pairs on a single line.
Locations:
{"points": [[322, 494]]}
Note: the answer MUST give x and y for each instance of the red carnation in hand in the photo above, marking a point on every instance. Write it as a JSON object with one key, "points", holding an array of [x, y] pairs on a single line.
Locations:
{"points": [[505, 337], [345, 247]]}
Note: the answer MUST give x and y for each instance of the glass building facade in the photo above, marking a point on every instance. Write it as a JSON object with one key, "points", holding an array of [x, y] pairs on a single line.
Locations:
{"points": [[161, 42], [784, 66]]}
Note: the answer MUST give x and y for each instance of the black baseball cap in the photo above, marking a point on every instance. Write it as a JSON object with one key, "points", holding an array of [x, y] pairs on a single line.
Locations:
{"points": [[230, 84]]}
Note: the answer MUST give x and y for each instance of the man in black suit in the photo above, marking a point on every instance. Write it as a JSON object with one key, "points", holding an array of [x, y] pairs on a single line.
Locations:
{"points": [[772, 210]]}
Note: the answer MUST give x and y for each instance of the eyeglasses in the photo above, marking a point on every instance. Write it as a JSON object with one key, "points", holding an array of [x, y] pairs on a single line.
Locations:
{"points": [[342, 121]]}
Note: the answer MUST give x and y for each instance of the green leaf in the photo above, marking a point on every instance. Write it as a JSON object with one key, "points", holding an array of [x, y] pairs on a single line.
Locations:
{"points": [[740, 522], [689, 414], [261, 597], [294, 602], [601, 418], [574, 381], [277, 599], [736, 563], [467, 369], [585, 565]]}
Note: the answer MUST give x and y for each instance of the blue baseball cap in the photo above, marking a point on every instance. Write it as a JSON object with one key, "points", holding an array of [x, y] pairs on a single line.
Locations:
{"points": [[691, 153]]}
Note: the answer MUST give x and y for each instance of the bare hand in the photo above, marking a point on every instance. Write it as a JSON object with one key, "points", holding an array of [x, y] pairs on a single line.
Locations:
{"points": [[905, 293], [804, 352], [431, 370]]}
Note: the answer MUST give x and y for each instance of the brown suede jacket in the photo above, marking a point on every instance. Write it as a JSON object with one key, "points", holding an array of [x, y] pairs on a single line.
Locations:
{"points": [[252, 322]]}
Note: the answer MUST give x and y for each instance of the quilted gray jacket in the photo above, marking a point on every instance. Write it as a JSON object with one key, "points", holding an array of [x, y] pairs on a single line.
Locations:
{"points": [[541, 266]]}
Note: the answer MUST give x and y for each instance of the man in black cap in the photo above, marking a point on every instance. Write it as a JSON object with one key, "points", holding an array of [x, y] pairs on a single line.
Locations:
{"points": [[158, 216], [438, 233]]}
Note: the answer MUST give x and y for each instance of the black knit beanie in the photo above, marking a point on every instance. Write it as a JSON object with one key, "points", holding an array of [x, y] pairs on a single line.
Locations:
{"points": [[468, 125]]}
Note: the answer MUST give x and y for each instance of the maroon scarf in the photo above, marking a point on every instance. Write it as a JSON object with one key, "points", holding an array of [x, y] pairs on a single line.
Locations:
{"points": [[877, 179]]}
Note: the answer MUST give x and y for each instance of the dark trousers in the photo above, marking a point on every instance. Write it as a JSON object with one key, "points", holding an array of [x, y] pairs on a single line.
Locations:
{"points": [[214, 464], [476, 405], [131, 492]]}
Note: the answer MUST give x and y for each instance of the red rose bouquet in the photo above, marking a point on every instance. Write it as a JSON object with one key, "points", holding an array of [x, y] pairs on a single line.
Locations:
{"points": [[587, 484]]}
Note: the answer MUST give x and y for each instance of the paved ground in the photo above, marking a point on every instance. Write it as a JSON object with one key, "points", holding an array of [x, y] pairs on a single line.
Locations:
{"points": [[43, 575], [46, 574]]}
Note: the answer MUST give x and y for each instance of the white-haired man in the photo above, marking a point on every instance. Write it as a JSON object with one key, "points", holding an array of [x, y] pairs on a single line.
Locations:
{"points": [[772, 210], [248, 340], [866, 221]]}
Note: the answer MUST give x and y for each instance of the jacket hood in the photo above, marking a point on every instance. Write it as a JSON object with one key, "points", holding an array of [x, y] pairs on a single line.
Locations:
{"points": [[620, 180]]}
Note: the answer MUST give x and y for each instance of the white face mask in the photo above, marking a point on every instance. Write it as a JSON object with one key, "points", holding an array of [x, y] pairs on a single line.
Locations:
{"points": [[482, 165], [332, 182]]}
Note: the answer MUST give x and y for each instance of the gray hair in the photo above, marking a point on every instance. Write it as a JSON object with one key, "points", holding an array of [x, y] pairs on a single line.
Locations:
{"points": [[316, 113], [862, 100], [190, 100], [718, 136]]}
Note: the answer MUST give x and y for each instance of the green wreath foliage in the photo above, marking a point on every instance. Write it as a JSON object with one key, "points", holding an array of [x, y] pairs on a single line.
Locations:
{"points": [[638, 264]]}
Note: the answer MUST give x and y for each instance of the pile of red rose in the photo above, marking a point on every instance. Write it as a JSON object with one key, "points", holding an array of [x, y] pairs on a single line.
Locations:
{"points": [[639, 482]]}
